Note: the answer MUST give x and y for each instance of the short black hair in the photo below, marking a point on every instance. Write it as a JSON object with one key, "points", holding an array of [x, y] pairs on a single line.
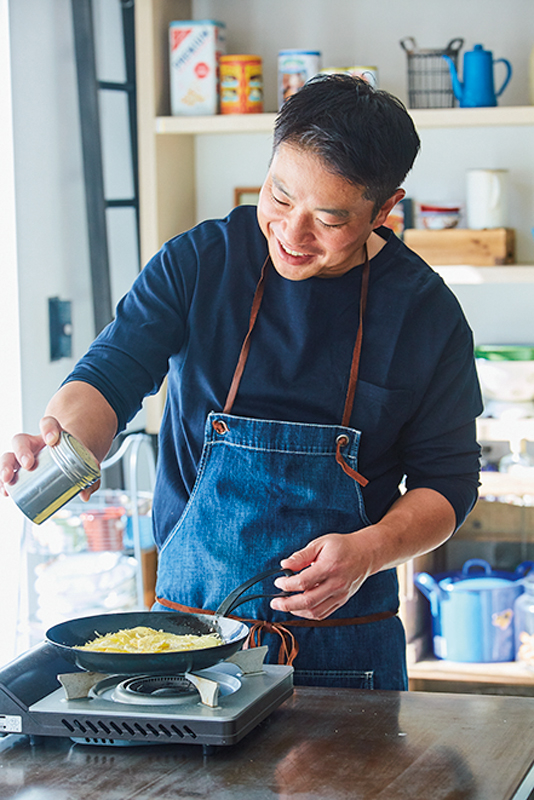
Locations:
{"points": [[363, 134]]}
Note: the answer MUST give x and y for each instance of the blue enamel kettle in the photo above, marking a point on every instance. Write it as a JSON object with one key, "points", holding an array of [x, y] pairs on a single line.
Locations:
{"points": [[478, 88]]}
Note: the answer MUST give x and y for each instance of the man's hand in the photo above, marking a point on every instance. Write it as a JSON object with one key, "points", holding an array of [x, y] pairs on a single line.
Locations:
{"points": [[25, 455], [330, 570], [334, 566], [26, 449]]}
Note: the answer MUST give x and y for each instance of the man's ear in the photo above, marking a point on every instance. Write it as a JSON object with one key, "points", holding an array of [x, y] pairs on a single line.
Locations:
{"points": [[388, 206]]}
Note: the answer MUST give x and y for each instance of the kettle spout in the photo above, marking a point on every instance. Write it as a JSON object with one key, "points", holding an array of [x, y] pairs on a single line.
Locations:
{"points": [[457, 87]]}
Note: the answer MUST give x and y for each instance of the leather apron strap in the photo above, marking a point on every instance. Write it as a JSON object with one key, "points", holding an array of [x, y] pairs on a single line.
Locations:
{"points": [[289, 648], [343, 440]]}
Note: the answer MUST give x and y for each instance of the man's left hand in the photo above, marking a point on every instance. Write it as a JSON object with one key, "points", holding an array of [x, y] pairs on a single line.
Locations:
{"points": [[330, 570]]}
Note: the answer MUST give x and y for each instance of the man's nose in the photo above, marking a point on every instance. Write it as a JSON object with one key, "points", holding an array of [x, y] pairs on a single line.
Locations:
{"points": [[298, 227]]}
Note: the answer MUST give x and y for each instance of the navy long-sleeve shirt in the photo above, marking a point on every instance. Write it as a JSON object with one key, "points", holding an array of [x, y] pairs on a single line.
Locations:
{"points": [[187, 314]]}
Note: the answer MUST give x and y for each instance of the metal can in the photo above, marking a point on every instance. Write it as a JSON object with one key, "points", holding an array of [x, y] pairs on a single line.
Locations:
{"points": [[61, 472], [295, 67], [369, 74], [241, 81]]}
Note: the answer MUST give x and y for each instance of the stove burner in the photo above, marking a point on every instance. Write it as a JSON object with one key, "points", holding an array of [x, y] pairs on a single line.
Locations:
{"points": [[174, 688], [204, 686]]}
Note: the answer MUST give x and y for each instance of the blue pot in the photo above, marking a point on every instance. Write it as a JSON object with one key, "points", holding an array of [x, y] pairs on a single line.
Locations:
{"points": [[472, 611]]}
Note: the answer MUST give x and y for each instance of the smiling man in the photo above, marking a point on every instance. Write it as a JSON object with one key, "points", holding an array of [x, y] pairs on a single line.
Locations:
{"points": [[314, 363], [315, 221]]}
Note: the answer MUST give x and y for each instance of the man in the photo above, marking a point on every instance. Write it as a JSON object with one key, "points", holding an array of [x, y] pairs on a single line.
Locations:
{"points": [[313, 362]]}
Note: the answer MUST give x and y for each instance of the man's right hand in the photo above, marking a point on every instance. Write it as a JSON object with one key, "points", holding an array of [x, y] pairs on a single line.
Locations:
{"points": [[26, 449], [76, 407]]}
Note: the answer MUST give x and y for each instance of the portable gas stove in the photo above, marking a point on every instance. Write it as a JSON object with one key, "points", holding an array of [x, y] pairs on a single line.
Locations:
{"points": [[41, 694]]}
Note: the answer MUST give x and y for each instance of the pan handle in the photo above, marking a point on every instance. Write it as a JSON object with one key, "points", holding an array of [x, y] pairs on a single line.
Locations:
{"points": [[229, 603]]}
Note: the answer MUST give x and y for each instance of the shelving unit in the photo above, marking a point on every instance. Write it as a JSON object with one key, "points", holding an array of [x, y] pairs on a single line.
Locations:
{"points": [[167, 143]]}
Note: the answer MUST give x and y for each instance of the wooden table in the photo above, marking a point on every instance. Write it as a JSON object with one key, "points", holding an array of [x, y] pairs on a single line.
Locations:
{"points": [[321, 744]]}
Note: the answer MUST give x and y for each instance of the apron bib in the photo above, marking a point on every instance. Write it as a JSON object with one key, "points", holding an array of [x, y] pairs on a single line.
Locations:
{"points": [[264, 489]]}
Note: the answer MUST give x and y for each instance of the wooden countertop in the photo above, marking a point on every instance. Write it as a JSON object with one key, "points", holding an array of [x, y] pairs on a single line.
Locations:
{"points": [[321, 744]]}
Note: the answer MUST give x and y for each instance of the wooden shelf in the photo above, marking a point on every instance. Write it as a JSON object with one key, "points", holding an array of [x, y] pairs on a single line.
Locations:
{"points": [[424, 118], [506, 673], [473, 117], [499, 430], [220, 123], [464, 274]]}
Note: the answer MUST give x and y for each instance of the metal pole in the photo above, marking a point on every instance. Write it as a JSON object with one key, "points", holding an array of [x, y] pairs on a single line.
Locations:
{"points": [[92, 161]]}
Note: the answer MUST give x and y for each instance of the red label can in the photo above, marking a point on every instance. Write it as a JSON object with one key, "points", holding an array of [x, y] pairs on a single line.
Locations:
{"points": [[241, 84]]}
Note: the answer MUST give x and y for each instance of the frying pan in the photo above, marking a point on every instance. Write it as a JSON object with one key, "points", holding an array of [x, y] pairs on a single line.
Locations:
{"points": [[67, 637]]}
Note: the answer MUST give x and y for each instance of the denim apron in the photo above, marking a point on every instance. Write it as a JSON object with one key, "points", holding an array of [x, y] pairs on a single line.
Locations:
{"points": [[264, 489]]}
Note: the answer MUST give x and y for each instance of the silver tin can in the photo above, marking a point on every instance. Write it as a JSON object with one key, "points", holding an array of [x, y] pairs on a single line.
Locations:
{"points": [[61, 472], [369, 74], [295, 68]]}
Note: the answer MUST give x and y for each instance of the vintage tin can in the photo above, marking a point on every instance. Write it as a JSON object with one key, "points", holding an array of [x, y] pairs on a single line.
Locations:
{"points": [[295, 67], [369, 74], [195, 49], [241, 84], [61, 472]]}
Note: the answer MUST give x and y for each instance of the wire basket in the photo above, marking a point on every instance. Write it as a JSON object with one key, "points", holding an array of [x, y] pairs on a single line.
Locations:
{"points": [[429, 78]]}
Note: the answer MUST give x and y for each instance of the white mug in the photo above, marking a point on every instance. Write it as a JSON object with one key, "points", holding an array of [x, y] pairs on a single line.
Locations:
{"points": [[487, 195]]}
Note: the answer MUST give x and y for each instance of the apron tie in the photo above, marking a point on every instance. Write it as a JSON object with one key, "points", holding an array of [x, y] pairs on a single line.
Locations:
{"points": [[289, 647]]}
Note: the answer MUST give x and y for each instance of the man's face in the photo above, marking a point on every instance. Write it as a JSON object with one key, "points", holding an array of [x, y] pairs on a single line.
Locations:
{"points": [[316, 223]]}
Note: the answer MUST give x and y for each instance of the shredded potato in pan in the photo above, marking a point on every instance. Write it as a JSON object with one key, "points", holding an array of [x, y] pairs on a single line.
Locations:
{"points": [[149, 640]]}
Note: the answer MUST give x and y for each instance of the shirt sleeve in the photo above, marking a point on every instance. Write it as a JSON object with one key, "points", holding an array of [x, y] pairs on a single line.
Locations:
{"points": [[438, 444], [129, 359]]}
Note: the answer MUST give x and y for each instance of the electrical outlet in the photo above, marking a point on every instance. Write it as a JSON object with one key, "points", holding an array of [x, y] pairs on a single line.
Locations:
{"points": [[60, 323]]}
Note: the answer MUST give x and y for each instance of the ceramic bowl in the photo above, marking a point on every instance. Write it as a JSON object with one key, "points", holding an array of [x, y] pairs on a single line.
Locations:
{"points": [[506, 372], [437, 217]]}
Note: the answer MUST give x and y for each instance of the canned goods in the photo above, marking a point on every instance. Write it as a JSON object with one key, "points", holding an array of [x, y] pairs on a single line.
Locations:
{"points": [[369, 74], [195, 49], [241, 84], [295, 67], [61, 472]]}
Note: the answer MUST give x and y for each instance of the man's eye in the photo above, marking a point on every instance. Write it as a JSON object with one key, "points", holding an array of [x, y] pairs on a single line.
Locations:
{"points": [[278, 200], [332, 225]]}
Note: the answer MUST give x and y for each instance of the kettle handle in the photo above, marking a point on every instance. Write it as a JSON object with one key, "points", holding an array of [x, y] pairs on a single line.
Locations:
{"points": [[476, 562], [508, 74], [524, 568]]}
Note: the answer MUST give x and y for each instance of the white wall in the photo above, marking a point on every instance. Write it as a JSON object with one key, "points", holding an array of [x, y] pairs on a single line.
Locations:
{"points": [[52, 237], [10, 380]]}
